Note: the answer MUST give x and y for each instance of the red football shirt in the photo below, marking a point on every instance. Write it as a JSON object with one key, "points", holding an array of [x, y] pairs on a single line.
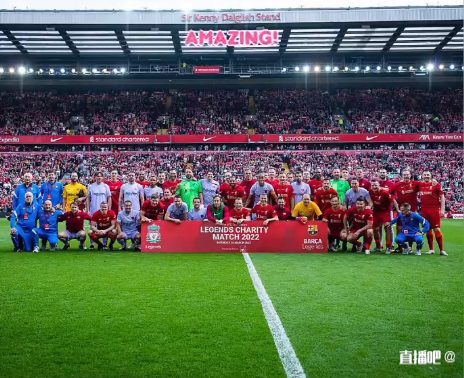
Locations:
{"points": [[232, 193], [430, 195], [406, 192], [322, 198], [382, 201], [358, 219], [172, 185], [103, 221], [152, 212], [242, 214], [166, 202], [263, 212], [314, 185], [247, 184], [283, 214], [143, 183], [387, 185], [115, 188], [364, 183], [74, 222], [274, 182], [334, 218], [285, 191]]}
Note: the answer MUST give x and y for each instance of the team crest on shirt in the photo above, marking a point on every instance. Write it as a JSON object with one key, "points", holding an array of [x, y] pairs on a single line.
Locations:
{"points": [[154, 234], [313, 229]]}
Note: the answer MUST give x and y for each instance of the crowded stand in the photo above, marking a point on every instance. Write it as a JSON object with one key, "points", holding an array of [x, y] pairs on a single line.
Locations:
{"points": [[232, 112], [446, 166]]}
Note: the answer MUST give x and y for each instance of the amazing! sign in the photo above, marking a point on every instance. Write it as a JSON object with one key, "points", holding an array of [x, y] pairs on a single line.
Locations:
{"points": [[232, 38]]}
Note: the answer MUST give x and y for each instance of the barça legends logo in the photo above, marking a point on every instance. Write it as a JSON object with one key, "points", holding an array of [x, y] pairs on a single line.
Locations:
{"points": [[313, 229], [154, 234]]}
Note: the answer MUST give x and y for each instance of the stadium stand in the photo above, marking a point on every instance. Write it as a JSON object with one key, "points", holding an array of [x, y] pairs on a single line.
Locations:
{"points": [[230, 112], [446, 165]]}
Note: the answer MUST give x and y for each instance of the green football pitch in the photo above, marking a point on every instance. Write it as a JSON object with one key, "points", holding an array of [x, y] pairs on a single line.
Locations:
{"points": [[128, 314]]}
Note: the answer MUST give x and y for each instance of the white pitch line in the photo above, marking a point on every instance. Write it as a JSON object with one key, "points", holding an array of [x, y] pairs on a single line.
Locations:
{"points": [[290, 361]]}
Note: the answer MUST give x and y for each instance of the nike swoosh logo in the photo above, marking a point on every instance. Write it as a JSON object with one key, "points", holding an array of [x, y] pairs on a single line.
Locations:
{"points": [[370, 138], [206, 139], [55, 139]]}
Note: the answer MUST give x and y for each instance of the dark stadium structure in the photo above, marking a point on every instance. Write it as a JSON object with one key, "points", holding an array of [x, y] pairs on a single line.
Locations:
{"points": [[413, 46]]}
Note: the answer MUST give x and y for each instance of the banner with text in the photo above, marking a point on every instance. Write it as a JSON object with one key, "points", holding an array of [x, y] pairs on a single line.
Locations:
{"points": [[207, 69], [232, 138], [239, 38], [196, 236]]}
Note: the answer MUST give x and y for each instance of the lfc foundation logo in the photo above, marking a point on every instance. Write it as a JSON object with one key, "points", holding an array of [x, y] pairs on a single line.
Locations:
{"points": [[154, 234]]}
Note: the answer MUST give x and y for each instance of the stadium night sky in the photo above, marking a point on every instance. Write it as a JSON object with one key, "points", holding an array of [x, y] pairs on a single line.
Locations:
{"points": [[208, 4]]}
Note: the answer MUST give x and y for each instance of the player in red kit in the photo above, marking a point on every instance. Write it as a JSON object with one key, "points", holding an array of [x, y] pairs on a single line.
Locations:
{"points": [[271, 178], [103, 226], [363, 182], [360, 222], [282, 210], [284, 190], [432, 209], [167, 199], [74, 226], [239, 214], [324, 194], [231, 192], [142, 180], [248, 182], [316, 182], [334, 217], [382, 203], [404, 191], [152, 209], [172, 183], [384, 182], [115, 187], [264, 211]]}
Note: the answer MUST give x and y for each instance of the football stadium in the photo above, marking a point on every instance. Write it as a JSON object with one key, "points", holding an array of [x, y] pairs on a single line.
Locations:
{"points": [[255, 192]]}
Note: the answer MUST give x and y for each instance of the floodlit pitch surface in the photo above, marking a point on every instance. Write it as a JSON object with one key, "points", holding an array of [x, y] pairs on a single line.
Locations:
{"points": [[126, 314]]}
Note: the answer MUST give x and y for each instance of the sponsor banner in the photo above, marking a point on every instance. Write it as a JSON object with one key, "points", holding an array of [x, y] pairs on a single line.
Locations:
{"points": [[233, 138], [79, 139], [196, 236], [458, 216], [230, 138], [239, 38], [361, 138], [232, 18], [207, 69]]}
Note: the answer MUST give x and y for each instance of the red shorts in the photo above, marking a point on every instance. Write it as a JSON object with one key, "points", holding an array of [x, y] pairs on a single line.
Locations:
{"points": [[432, 215], [381, 218], [335, 234]]}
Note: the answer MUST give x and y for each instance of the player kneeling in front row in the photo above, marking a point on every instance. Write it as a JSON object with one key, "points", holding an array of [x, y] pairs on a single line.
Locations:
{"points": [[239, 214], [411, 231], [128, 227], [48, 230], [103, 226], [74, 226], [334, 217], [360, 220]]}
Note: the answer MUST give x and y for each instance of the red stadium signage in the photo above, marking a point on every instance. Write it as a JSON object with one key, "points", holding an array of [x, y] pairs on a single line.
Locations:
{"points": [[207, 69], [361, 138], [215, 38], [232, 138], [196, 236]]}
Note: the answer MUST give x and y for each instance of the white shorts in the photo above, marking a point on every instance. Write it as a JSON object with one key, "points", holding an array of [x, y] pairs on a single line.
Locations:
{"points": [[72, 235], [130, 235]]}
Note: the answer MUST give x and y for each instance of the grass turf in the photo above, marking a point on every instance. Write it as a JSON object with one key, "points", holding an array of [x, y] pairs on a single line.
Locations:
{"points": [[115, 314]]}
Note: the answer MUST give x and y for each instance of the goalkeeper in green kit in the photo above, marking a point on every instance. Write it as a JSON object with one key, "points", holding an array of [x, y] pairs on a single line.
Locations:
{"points": [[341, 186], [190, 189]]}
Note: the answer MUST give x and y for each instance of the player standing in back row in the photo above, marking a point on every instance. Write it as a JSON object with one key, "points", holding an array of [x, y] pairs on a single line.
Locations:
{"points": [[432, 209], [133, 192]]}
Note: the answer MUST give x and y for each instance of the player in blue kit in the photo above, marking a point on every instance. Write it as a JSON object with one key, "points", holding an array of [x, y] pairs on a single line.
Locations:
{"points": [[52, 190], [26, 187], [22, 222], [411, 231], [48, 230]]}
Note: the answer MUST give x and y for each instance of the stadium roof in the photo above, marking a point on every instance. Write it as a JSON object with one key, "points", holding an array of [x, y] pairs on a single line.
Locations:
{"points": [[162, 34]]}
